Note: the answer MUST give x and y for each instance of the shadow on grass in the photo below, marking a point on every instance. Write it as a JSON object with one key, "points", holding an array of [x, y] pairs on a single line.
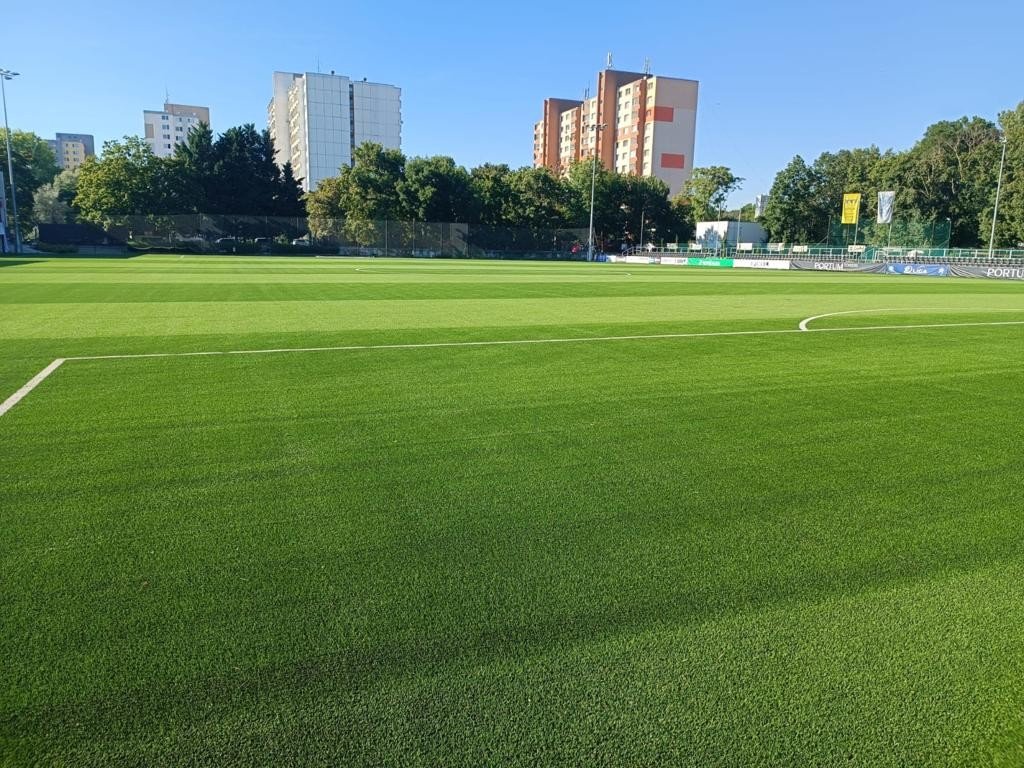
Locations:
{"points": [[139, 713]]}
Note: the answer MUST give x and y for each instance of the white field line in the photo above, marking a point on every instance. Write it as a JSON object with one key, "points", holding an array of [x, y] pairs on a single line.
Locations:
{"points": [[369, 269], [805, 321], [31, 384], [522, 342], [39, 377]]}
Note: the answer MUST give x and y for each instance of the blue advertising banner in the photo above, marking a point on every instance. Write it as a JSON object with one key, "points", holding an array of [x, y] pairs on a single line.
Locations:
{"points": [[931, 270]]}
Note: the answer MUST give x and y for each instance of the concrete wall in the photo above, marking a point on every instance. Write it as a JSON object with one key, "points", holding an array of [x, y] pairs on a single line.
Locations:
{"points": [[378, 114], [277, 116], [671, 131], [328, 126], [714, 234]]}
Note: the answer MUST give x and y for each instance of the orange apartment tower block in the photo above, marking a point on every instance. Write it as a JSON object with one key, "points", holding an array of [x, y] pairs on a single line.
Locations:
{"points": [[649, 127]]}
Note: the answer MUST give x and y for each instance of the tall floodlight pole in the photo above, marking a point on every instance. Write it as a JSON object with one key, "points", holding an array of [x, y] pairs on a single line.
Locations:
{"points": [[5, 75], [593, 183], [643, 213], [998, 188]]}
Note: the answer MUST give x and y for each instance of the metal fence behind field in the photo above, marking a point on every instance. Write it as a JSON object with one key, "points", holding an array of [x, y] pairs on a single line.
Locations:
{"points": [[869, 254], [901, 233], [204, 233]]}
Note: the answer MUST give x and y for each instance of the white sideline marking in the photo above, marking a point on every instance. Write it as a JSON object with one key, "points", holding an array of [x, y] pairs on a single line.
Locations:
{"points": [[436, 344], [39, 377], [804, 322], [32, 383], [515, 342]]}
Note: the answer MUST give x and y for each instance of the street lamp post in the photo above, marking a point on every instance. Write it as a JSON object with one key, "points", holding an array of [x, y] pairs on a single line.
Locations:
{"points": [[739, 228], [995, 212], [643, 213], [5, 75], [593, 183]]}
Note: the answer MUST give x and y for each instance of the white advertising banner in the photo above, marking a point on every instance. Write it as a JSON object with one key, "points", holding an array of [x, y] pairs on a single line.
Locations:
{"points": [[761, 263], [886, 204]]}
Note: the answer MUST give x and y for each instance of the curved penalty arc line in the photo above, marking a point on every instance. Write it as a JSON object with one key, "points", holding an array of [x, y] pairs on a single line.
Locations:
{"points": [[805, 321]]}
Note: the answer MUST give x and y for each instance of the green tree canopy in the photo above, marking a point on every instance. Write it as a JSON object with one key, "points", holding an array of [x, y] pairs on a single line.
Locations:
{"points": [[491, 188], [246, 179], [436, 189], [127, 180], [53, 201], [360, 195], [1010, 229], [539, 200], [949, 174], [383, 185], [233, 174], [793, 213], [708, 189], [34, 165]]}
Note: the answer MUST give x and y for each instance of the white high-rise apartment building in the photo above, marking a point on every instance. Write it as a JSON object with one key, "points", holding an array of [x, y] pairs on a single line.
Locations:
{"points": [[165, 130], [317, 121]]}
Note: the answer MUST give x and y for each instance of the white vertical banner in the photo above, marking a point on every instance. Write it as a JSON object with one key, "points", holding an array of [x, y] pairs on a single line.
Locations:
{"points": [[760, 203], [886, 204]]}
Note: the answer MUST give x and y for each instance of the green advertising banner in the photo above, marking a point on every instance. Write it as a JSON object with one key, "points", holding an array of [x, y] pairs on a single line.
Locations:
{"points": [[698, 262]]}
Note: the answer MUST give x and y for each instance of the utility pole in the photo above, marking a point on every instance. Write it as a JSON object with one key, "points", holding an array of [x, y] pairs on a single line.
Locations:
{"points": [[995, 212], [643, 212], [739, 228], [593, 183]]}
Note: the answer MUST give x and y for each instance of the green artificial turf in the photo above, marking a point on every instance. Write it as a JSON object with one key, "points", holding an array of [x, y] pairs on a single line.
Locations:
{"points": [[771, 549]]}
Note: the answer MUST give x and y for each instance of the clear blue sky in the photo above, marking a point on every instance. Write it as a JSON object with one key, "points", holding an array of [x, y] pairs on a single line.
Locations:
{"points": [[777, 79]]}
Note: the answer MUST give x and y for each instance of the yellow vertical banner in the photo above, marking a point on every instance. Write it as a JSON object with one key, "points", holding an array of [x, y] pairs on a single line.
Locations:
{"points": [[851, 208]]}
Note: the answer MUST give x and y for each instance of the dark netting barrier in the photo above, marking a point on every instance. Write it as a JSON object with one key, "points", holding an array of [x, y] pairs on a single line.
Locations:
{"points": [[207, 233]]}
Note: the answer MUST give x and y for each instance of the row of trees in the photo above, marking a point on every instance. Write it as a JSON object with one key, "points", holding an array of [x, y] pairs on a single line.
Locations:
{"points": [[235, 174], [232, 174], [383, 184], [949, 175]]}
